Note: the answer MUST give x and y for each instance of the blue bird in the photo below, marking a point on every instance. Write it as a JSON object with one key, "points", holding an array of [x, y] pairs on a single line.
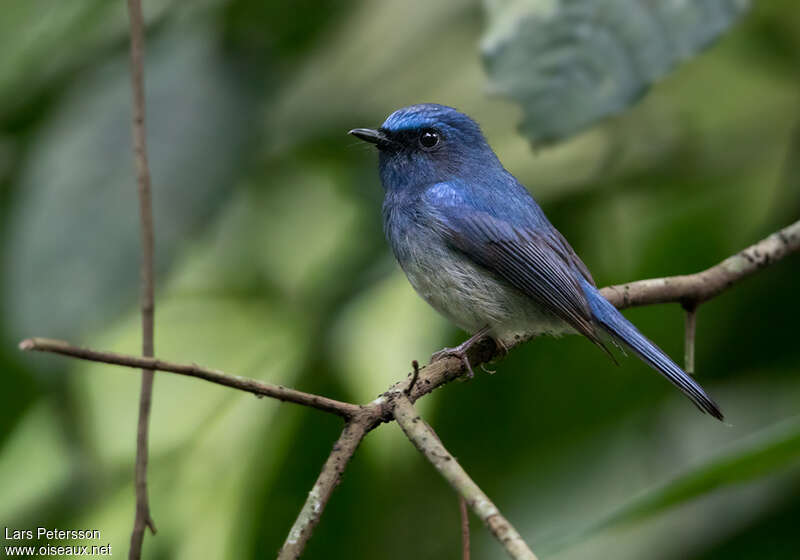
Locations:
{"points": [[478, 248]]}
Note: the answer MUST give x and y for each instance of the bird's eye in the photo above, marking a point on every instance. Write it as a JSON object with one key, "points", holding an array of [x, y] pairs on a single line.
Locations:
{"points": [[428, 138]]}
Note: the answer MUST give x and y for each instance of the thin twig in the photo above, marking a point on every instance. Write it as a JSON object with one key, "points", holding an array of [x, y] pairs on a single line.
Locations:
{"points": [[462, 507], [354, 431], [704, 285], [690, 329], [259, 388], [143, 518], [414, 376], [429, 445]]}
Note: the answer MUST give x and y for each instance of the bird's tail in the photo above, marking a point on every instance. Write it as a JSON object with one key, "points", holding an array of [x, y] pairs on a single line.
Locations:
{"points": [[612, 321]]}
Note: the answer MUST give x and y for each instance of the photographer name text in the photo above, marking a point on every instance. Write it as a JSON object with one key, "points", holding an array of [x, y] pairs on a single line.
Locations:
{"points": [[55, 534]]}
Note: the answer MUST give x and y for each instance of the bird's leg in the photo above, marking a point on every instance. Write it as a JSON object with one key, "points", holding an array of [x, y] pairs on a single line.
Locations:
{"points": [[501, 346], [460, 351]]}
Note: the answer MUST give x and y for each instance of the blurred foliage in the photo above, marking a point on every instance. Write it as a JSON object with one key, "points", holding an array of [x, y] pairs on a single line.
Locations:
{"points": [[570, 62], [272, 264]]}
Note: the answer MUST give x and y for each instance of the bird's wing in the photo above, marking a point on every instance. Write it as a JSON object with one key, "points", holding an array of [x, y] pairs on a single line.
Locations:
{"points": [[569, 254], [536, 263]]}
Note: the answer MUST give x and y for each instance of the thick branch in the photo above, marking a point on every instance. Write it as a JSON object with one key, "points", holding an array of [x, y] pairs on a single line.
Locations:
{"points": [[700, 287], [143, 518], [343, 409], [429, 445], [354, 431]]}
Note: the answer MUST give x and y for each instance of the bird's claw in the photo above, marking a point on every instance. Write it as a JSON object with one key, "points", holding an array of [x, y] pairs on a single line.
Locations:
{"points": [[455, 353], [460, 351], [501, 346]]}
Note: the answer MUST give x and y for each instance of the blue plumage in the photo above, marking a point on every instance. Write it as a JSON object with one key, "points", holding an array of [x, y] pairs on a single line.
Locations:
{"points": [[478, 248]]}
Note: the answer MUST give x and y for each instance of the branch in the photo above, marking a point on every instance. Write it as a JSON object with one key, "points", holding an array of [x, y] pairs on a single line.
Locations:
{"points": [[429, 445], [343, 409], [686, 289], [689, 335], [354, 431], [689, 290], [143, 518], [700, 287], [420, 382], [462, 508]]}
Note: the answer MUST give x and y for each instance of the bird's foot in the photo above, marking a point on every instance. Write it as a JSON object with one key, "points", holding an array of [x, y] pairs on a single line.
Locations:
{"points": [[460, 351], [456, 352], [501, 346], [502, 349]]}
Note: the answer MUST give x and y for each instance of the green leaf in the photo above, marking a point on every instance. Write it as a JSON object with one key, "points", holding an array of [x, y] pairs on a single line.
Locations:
{"points": [[572, 62], [204, 438], [73, 250], [763, 454], [35, 462], [41, 40]]}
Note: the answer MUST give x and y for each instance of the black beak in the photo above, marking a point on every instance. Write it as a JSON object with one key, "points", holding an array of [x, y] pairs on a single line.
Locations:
{"points": [[369, 135]]}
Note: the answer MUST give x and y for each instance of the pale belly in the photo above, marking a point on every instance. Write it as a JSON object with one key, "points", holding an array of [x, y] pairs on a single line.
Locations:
{"points": [[472, 297]]}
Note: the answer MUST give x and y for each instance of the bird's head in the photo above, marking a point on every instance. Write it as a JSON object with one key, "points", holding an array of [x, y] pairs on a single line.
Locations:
{"points": [[427, 143]]}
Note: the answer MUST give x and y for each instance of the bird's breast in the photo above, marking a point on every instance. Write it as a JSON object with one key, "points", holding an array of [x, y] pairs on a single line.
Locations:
{"points": [[466, 293]]}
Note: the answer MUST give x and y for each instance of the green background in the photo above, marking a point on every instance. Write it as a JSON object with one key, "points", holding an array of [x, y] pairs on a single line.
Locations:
{"points": [[272, 264]]}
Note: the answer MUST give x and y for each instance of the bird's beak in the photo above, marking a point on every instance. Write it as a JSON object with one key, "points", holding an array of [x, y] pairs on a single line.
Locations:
{"points": [[369, 135]]}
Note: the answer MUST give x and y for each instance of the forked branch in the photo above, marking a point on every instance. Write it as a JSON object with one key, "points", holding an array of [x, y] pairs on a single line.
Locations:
{"points": [[397, 402]]}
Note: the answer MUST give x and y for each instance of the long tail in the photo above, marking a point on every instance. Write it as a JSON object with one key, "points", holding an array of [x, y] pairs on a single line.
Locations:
{"points": [[624, 331]]}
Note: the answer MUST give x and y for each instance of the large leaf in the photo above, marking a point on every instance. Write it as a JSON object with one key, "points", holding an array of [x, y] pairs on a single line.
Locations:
{"points": [[572, 62], [197, 428], [761, 455], [36, 447], [73, 250], [40, 40]]}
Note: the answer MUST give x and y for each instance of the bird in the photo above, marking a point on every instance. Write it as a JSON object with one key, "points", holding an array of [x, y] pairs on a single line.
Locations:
{"points": [[478, 248]]}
